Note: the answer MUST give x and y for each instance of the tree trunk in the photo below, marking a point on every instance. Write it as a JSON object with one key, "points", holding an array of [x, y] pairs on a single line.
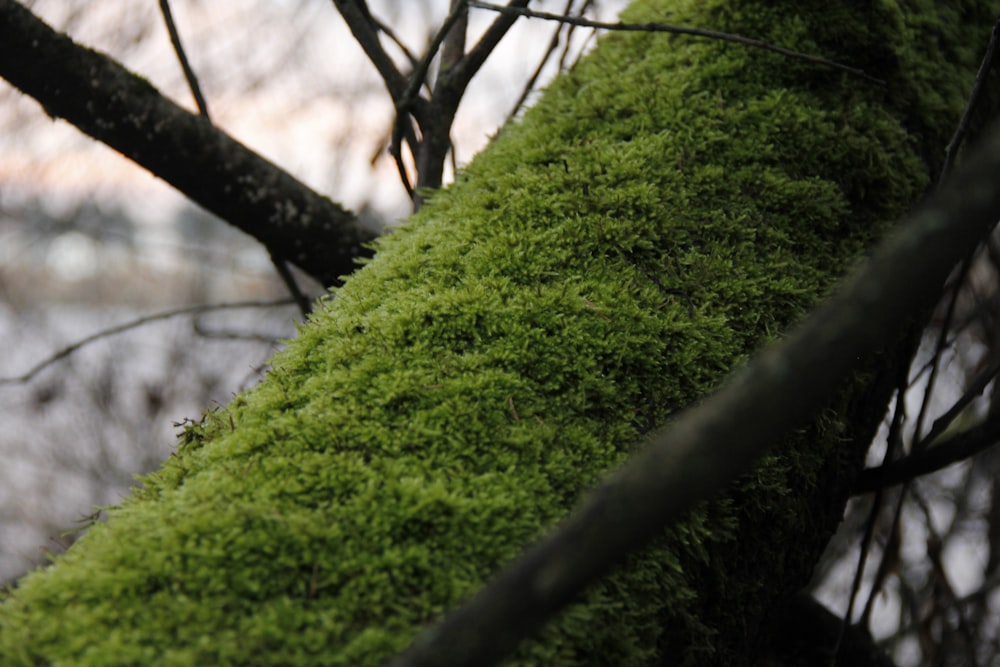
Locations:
{"points": [[665, 209]]}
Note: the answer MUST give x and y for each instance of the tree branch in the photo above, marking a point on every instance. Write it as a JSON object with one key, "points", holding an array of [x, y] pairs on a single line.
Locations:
{"points": [[355, 13], [462, 74], [28, 375], [677, 30], [189, 75], [937, 457], [700, 452], [436, 128], [280, 265], [553, 45], [113, 105]]}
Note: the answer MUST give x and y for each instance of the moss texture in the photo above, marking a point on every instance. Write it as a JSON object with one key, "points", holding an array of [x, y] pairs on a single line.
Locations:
{"points": [[665, 208]]}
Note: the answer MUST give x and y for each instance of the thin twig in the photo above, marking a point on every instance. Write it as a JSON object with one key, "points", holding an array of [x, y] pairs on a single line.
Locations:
{"points": [[954, 450], [889, 560], [365, 29], [189, 75], [942, 583], [285, 273], [280, 264], [394, 38], [202, 331], [478, 54], [980, 595], [533, 79], [132, 324], [406, 102], [677, 30], [939, 348], [894, 441], [942, 423], [985, 67], [355, 13], [564, 56]]}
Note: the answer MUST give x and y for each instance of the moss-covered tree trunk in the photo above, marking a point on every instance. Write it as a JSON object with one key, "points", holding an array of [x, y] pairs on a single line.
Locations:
{"points": [[667, 207]]}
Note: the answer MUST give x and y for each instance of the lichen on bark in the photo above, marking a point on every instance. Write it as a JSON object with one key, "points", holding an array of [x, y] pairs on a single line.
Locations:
{"points": [[667, 207]]}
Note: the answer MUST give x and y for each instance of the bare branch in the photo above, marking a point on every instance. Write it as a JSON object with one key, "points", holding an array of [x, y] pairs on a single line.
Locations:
{"points": [[985, 67], [280, 265], [677, 30], [436, 124], [394, 38], [702, 450], [189, 75], [133, 324], [953, 450], [942, 423], [462, 74], [453, 46], [405, 104], [529, 85], [124, 111], [922, 440], [303, 302], [364, 28]]}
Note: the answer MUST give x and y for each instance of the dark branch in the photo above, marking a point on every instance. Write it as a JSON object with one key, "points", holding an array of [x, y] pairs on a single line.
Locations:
{"points": [[404, 94], [189, 75], [677, 30], [436, 126], [387, 30], [28, 375], [291, 284], [462, 74], [365, 30], [543, 61], [280, 265], [406, 103], [124, 111], [959, 448], [453, 46], [942, 423], [985, 67], [702, 450]]}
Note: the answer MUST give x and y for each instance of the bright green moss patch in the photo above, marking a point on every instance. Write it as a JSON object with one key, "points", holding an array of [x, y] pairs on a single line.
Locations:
{"points": [[665, 209]]}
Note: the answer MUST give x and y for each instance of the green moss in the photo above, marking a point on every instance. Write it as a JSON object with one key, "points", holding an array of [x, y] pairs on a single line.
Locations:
{"points": [[667, 207]]}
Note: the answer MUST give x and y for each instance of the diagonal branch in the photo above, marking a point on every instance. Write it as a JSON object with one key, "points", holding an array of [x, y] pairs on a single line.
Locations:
{"points": [[529, 85], [700, 452], [365, 30], [280, 265], [937, 457], [436, 126], [189, 75], [462, 74], [111, 104], [515, 11]]}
